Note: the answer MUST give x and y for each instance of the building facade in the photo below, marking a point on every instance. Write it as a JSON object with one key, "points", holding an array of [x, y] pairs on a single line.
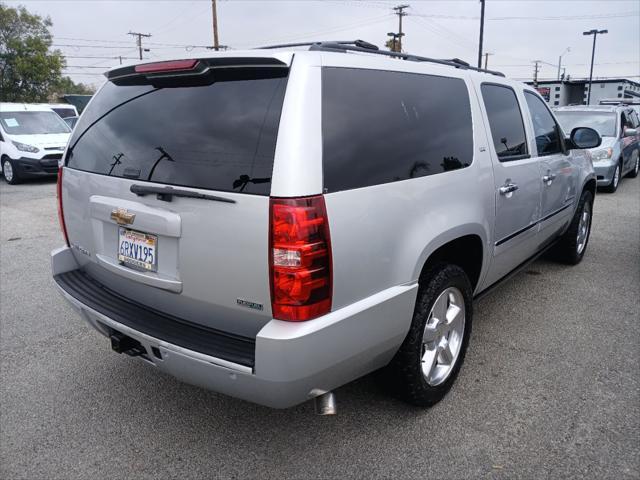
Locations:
{"points": [[575, 92]]}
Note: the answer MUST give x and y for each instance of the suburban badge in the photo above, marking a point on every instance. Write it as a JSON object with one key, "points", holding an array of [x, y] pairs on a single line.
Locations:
{"points": [[253, 305]]}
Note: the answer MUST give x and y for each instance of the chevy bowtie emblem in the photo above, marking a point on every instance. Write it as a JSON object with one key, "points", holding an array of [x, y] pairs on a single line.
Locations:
{"points": [[122, 216]]}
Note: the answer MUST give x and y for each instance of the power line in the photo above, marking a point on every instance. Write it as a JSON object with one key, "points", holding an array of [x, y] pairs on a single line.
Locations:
{"points": [[114, 41], [554, 79], [360, 23], [97, 57], [435, 29], [87, 46], [568, 64], [550, 18], [460, 40], [84, 73], [573, 17], [90, 66], [181, 17]]}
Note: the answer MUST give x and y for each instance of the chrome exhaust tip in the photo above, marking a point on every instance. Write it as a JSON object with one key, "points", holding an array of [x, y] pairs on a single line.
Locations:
{"points": [[325, 404]]}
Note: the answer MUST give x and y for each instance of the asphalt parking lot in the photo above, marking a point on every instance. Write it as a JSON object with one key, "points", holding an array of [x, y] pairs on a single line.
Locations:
{"points": [[550, 387]]}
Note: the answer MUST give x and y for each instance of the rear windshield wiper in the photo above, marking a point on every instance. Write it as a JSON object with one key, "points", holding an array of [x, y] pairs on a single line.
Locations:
{"points": [[166, 193]]}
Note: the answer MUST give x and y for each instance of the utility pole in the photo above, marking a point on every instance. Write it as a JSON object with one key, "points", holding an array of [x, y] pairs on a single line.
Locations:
{"points": [[120, 57], [486, 59], [593, 54], [139, 41], [214, 12], [481, 33], [568, 49], [401, 13], [535, 73]]}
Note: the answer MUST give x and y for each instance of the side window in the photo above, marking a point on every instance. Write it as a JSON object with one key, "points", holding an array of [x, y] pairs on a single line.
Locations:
{"points": [[380, 126], [629, 119], [634, 120], [544, 126], [505, 120], [624, 123]]}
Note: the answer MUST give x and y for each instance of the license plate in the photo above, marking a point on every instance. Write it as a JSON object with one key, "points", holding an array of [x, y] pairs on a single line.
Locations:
{"points": [[138, 250]]}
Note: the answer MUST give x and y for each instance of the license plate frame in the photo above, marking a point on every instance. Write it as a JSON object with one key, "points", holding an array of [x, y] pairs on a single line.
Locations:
{"points": [[142, 240]]}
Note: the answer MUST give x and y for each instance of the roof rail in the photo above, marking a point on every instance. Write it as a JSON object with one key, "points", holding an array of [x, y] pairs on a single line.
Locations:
{"points": [[366, 47], [358, 43]]}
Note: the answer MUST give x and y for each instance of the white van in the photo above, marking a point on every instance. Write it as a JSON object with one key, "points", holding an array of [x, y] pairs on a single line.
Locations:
{"points": [[32, 139], [63, 109]]}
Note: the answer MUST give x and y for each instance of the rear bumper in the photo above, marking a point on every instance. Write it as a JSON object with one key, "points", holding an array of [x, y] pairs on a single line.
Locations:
{"points": [[292, 362], [604, 172]]}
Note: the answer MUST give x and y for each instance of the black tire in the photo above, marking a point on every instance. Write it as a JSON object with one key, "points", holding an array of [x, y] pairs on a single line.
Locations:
{"points": [[636, 168], [613, 186], [404, 374], [14, 179], [567, 250]]}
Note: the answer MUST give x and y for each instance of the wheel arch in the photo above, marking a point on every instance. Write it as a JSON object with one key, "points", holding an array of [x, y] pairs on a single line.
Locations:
{"points": [[590, 185], [467, 251]]}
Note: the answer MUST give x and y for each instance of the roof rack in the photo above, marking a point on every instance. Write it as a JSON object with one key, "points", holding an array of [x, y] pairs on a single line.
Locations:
{"points": [[357, 43], [366, 47]]}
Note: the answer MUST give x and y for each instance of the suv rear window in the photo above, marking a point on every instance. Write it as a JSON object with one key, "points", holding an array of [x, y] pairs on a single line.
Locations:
{"points": [[220, 136], [380, 126]]}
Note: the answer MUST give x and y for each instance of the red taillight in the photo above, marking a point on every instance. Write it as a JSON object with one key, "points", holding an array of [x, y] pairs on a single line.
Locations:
{"points": [[171, 66], [299, 258], [63, 227]]}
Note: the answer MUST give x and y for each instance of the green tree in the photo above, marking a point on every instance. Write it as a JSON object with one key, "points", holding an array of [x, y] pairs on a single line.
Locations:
{"points": [[392, 45], [28, 69], [67, 86]]}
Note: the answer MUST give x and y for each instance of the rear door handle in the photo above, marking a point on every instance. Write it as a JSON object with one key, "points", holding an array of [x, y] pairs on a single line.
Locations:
{"points": [[507, 189], [548, 178]]}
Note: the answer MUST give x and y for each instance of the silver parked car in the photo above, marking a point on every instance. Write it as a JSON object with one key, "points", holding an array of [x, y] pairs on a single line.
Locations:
{"points": [[619, 127], [272, 224]]}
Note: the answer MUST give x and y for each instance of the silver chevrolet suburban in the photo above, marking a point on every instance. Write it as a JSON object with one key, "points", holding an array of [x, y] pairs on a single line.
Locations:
{"points": [[274, 223]]}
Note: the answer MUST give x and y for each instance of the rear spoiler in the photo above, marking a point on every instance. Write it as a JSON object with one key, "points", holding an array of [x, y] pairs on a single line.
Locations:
{"points": [[190, 69]]}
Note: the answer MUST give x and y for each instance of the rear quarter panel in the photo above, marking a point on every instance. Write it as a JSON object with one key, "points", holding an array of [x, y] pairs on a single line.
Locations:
{"points": [[382, 235]]}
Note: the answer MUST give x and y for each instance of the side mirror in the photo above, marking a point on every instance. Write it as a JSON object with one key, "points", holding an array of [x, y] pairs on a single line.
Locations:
{"points": [[630, 132], [585, 137]]}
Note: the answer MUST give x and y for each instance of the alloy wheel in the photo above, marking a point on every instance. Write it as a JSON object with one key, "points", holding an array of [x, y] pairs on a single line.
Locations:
{"points": [[616, 177], [7, 171], [442, 336], [583, 228]]}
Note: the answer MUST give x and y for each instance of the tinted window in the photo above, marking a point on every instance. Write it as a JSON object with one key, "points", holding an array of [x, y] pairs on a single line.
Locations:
{"points": [[380, 127], [505, 121], [220, 136], [544, 126], [626, 121], [64, 112]]}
